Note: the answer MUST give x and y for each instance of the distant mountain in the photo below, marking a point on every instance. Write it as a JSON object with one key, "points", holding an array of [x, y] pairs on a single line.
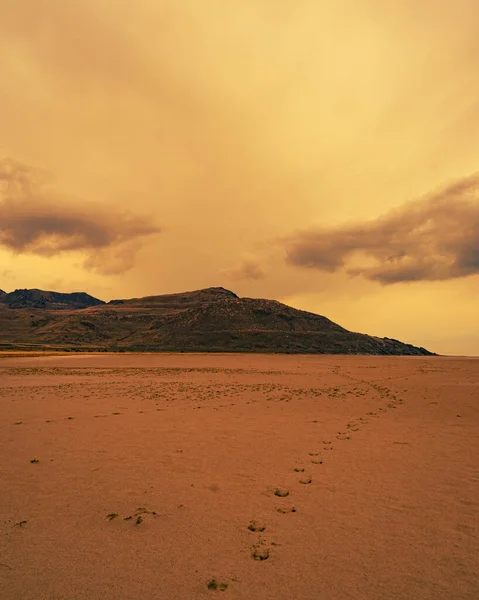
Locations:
{"points": [[48, 300], [209, 320]]}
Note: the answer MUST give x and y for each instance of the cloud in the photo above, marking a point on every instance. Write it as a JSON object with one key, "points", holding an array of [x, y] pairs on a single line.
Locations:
{"points": [[34, 219], [431, 239], [248, 269]]}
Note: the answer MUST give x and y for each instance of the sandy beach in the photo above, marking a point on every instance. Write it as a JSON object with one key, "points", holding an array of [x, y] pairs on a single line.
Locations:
{"points": [[148, 477]]}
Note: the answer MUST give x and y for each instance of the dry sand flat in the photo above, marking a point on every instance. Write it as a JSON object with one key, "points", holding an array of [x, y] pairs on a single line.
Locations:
{"points": [[244, 477]]}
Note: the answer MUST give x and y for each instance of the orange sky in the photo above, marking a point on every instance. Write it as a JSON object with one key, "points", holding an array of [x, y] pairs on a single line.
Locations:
{"points": [[158, 146]]}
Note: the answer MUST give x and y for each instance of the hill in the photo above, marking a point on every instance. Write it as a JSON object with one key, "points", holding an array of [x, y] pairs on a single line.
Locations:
{"points": [[48, 300], [209, 320]]}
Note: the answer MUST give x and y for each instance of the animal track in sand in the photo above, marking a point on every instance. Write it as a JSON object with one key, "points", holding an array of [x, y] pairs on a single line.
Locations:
{"points": [[144, 511], [253, 526], [259, 552], [212, 584], [20, 524], [297, 470], [285, 511], [281, 493], [138, 517], [305, 480]]}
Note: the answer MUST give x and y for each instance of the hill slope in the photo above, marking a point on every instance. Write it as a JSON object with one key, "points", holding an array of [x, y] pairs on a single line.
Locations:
{"points": [[210, 320]]}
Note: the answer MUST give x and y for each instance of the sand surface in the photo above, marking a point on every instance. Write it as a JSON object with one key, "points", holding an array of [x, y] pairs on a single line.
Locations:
{"points": [[156, 475]]}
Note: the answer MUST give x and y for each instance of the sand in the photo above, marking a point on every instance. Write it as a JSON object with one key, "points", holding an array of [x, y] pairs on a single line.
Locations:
{"points": [[148, 477]]}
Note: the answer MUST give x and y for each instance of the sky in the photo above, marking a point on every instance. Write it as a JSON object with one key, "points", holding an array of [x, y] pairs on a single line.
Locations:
{"points": [[323, 154]]}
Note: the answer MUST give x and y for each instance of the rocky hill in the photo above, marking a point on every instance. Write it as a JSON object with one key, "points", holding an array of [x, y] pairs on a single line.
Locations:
{"points": [[48, 300], [209, 320]]}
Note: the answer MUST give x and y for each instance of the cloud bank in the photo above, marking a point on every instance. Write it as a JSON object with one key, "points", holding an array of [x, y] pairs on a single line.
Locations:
{"points": [[248, 269], [431, 239], [34, 219]]}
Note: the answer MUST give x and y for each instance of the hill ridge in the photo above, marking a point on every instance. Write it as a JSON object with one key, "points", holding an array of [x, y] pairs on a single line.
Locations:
{"points": [[35, 298], [212, 319]]}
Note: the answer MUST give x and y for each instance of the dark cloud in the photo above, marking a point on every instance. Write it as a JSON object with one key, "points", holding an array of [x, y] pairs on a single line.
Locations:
{"points": [[36, 220], [248, 269], [431, 239]]}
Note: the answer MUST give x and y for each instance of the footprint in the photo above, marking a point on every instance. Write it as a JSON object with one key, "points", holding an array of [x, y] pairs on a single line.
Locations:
{"points": [[214, 585], [316, 462], [285, 511], [144, 511], [260, 553], [352, 426], [253, 526], [297, 470], [20, 524], [306, 480], [281, 493], [139, 515]]}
